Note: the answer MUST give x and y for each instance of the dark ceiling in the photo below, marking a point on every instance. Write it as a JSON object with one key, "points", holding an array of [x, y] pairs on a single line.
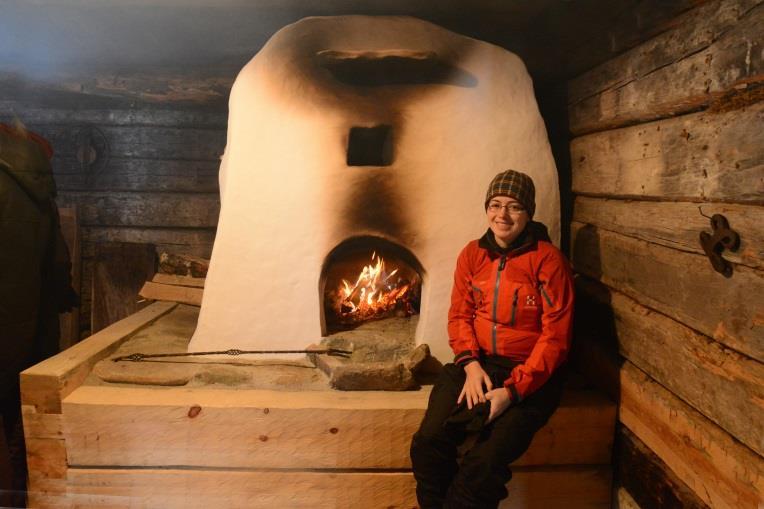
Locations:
{"points": [[558, 39]]}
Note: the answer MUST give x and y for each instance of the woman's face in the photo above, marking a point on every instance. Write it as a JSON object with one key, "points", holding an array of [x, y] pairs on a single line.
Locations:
{"points": [[506, 218]]}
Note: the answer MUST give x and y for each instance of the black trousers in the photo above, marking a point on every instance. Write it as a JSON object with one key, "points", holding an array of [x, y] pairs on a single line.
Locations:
{"points": [[479, 481]]}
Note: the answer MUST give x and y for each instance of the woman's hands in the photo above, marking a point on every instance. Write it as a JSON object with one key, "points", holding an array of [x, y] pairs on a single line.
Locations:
{"points": [[473, 385], [500, 401]]}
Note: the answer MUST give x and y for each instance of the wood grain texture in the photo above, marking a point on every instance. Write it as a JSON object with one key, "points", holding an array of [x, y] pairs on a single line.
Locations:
{"points": [[681, 285], [172, 279], [690, 32], [666, 87], [696, 157], [41, 425], [46, 458], [573, 488], [119, 271], [193, 241], [44, 385], [160, 210], [677, 224], [648, 479], [721, 471], [276, 429], [70, 321], [723, 385], [175, 293]]}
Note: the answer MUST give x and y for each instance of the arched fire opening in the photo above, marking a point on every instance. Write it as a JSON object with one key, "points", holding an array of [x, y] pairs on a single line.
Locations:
{"points": [[368, 278]]}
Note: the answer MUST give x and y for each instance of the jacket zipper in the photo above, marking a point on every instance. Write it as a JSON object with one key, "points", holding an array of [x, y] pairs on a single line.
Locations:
{"points": [[546, 297], [514, 307], [502, 262]]}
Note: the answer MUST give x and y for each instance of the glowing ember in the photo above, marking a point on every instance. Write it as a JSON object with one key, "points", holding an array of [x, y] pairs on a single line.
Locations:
{"points": [[375, 293]]}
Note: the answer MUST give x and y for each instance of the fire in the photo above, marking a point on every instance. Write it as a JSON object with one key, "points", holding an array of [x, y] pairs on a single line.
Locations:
{"points": [[375, 293]]}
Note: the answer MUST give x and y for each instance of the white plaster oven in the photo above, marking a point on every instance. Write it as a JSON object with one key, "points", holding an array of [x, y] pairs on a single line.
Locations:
{"points": [[304, 172]]}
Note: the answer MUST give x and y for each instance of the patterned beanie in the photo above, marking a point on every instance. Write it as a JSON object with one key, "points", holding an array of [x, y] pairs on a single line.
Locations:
{"points": [[516, 185]]}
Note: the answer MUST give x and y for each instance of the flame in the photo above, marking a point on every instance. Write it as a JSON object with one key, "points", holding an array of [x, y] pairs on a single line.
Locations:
{"points": [[374, 294]]}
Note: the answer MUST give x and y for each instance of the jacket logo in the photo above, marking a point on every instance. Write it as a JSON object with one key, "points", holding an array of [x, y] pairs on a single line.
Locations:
{"points": [[530, 301]]}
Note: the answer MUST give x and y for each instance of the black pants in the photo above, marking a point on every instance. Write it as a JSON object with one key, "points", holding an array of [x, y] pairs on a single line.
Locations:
{"points": [[484, 471]]}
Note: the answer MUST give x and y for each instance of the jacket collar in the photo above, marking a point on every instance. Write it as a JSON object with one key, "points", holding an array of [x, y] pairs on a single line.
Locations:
{"points": [[525, 242]]}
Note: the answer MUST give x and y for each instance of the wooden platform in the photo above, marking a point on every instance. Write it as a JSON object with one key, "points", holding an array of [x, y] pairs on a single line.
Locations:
{"points": [[109, 445]]}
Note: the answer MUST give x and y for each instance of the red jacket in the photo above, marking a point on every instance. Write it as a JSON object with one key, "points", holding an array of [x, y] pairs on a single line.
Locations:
{"points": [[518, 304]]}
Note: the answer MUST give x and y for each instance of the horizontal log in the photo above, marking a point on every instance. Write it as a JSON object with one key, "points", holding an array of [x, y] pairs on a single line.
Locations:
{"points": [[720, 383], [697, 157], [187, 210], [573, 488], [44, 385], [138, 175], [144, 142], [684, 85], [690, 33], [677, 224], [682, 285], [722, 472], [648, 478], [153, 88], [174, 293], [192, 241], [153, 117], [278, 429]]}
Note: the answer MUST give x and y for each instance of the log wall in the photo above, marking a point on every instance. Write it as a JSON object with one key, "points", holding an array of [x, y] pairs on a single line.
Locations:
{"points": [[152, 178], [664, 135]]}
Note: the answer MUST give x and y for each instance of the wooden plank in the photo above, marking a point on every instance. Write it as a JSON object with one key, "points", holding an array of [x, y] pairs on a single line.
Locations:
{"points": [[119, 271], [46, 458], [172, 279], [681, 285], [44, 385], [723, 385], [188, 117], [697, 157], [69, 323], [149, 175], [677, 224], [623, 500], [169, 210], [142, 142], [573, 488], [193, 241], [722, 472], [684, 85], [41, 425], [277, 429], [647, 478], [690, 33], [175, 293]]}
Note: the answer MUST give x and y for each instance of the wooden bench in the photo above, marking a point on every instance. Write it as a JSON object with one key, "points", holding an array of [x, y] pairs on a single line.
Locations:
{"points": [[145, 446]]}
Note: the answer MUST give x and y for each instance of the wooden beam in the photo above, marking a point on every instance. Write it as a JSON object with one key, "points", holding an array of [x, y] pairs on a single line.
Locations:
{"points": [[654, 85], [572, 488], [184, 210], [721, 471], [175, 293], [193, 241], [277, 429], [698, 157], [44, 385], [718, 382], [677, 224], [647, 478], [681, 285]]}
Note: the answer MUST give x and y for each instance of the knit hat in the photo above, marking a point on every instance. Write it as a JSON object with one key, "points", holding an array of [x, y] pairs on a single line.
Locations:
{"points": [[516, 185]]}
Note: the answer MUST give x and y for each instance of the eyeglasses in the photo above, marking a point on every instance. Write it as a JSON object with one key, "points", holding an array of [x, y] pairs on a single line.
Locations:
{"points": [[513, 208]]}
